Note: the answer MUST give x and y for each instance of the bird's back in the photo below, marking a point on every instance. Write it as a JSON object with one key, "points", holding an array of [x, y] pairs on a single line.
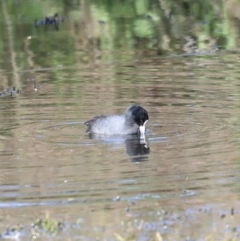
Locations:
{"points": [[110, 125]]}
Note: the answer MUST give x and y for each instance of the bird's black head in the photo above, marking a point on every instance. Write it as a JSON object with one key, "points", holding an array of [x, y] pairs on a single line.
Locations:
{"points": [[136, 114]]}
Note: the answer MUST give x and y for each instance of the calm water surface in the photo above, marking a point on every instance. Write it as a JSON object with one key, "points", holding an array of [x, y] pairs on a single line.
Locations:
{"points": [[190, 159], [183, 181]]}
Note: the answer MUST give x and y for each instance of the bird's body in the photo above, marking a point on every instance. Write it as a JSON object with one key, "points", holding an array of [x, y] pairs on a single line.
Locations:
{"points": [[132, 122]]}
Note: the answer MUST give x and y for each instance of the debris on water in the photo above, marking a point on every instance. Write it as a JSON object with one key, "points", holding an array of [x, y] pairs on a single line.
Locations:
{"points": [[117, 198], [12, 233], [127, 209], [131, 202], [232, 211], [159, 236], [52, 20], [140, 225], [35, 87], [128, 238], [223, 216], [119, 237]]}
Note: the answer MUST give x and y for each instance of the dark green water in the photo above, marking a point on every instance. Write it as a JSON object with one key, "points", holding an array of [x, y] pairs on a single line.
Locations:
{"points": [[177, 59]]}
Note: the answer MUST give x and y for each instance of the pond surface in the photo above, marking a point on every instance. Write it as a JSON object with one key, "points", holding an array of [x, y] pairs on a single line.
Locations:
{"points": [[181, 183]]}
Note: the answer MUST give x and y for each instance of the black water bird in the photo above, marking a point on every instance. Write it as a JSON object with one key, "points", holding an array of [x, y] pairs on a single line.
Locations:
{"points": [[133, 122]]}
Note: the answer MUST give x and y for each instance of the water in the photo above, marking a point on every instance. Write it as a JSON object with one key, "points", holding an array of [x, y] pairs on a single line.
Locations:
{"points": [[182, 181]]}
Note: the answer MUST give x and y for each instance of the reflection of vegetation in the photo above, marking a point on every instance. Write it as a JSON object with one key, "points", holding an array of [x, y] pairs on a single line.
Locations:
{"points": [[152, 20], [105, 30], [155, 27]]}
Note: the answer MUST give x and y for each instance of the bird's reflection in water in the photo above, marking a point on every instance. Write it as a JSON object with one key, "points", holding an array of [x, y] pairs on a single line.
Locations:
{"points": [[137, 148]]}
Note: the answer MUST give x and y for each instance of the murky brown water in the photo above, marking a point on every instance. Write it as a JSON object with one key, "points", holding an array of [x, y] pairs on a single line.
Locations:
{"points": [[182, 184]]}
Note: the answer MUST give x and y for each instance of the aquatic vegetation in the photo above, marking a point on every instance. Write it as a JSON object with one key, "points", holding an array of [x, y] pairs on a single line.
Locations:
{"points": [[131, 229], [46, 225]]}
